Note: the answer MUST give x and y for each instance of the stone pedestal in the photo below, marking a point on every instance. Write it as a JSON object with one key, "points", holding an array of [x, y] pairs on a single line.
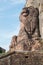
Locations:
{"points": [[22, 58]]}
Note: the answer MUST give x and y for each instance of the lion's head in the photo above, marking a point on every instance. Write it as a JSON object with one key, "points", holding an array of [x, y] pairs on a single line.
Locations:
{"points": [[29, 14]]}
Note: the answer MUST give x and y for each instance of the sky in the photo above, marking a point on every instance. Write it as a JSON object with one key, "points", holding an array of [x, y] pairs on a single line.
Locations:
{"points": [[9, 20]]}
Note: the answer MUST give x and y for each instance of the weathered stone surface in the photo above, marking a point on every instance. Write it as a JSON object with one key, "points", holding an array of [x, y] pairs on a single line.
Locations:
{"points": [[27, 40], [30, 20], [34, 3], [37, 4], [29, 34], [22, 58], [13, 43]]}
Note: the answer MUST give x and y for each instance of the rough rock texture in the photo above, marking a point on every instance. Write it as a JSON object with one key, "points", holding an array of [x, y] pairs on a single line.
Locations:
{"points": [[13, 43], [22, 58], [37, 4], [28, 38]]}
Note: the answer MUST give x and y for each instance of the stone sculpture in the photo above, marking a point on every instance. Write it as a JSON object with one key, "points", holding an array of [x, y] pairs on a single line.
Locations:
{"points": [[37, 4], [28, 38], [13, 43]]}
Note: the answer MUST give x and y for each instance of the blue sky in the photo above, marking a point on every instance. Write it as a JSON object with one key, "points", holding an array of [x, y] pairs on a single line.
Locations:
{"points": [[9, 20]]}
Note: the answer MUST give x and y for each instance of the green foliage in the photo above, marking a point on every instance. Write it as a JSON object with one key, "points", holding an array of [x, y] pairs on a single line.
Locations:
{"points": [[0, 51]]}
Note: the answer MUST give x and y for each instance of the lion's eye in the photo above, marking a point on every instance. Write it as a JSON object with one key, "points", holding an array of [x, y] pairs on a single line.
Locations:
{"points": [[27, 12]]}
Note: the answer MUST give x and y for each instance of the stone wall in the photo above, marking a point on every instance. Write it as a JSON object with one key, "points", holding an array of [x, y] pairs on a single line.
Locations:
{"points": [[22, 58]]}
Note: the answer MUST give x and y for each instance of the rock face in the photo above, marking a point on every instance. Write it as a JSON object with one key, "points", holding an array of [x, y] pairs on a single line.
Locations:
{"points": [[22, 58], [28, 38], [13, 43], [37, 4]]}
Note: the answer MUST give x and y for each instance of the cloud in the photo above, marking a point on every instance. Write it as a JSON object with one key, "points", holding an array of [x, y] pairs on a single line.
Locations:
{"points": [[3, 1], [8, 4], [13, 1], [5, 38], [6, 34], [5, 6], [16, 1], [9, 16]]}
